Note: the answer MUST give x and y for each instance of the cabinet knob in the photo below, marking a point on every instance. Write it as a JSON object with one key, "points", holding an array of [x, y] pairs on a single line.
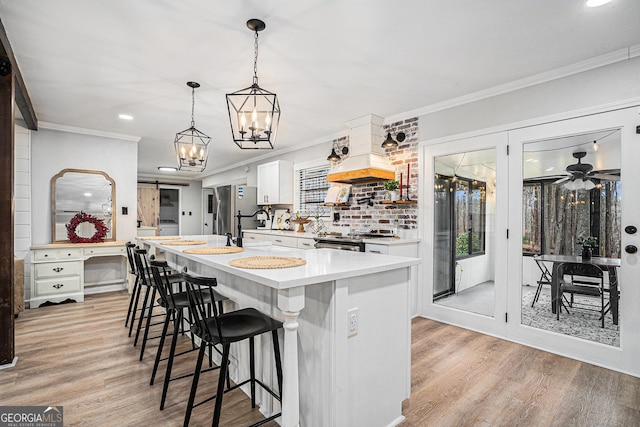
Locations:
{"points": [[58, 269], [58, 285]]}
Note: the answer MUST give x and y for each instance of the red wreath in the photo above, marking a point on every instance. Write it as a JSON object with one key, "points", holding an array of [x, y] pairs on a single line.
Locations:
{"points": [[99, 235]]}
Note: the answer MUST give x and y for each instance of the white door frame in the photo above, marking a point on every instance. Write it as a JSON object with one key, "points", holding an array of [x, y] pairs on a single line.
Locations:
{"points": [[623, 359], [495, 324]]}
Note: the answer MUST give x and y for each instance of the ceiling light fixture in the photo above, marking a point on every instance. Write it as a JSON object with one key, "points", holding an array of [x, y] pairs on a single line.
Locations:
{"points": [[125, 117], [191, 144], [390, 142], [254, 112], [596, 3], [334, 156], [168, 168]]}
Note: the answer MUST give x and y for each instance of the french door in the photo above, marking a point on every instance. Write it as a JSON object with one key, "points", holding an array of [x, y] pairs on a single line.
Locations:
{"points": [[528, 210]]}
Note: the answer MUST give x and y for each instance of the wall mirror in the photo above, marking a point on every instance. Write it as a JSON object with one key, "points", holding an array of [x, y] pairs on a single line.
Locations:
{"points": [[84, 199]]}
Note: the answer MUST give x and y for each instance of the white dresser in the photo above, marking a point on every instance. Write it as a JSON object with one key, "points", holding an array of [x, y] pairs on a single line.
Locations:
{"points": [[58, 270]]}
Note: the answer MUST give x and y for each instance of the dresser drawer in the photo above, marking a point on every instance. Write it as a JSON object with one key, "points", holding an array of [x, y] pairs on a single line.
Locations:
{"points": [[63, 285], [57, 254], [105, 250], [58, 269]]}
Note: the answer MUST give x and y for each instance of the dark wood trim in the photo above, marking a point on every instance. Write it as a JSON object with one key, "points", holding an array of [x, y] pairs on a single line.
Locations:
{"points": [[21, 95], [7, 337]]}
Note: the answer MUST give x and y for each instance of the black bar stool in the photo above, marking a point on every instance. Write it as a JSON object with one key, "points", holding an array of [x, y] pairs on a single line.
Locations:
{"points": [[135, 292], [225, 329], [174, 304]]}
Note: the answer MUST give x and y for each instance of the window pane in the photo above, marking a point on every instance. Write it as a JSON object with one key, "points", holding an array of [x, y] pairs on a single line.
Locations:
{"points": [[531, 218], [461, 212], [566, 219], [477, 216], [609, 234]]}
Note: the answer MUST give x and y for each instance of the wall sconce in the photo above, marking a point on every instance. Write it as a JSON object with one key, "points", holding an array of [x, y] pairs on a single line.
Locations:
{"points": [[334, 157], [391, 143]]}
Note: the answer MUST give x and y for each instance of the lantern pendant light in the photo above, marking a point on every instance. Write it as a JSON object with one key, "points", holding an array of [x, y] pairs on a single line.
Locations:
{"points": [[191, 144], [254, 112]]}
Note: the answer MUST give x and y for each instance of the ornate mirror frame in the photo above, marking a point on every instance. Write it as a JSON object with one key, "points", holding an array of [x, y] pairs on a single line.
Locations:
{"points": [[71, 204]]}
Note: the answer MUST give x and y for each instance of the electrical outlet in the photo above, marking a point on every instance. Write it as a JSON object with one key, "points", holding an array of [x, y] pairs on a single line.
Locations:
{"points": [[352, 325]]}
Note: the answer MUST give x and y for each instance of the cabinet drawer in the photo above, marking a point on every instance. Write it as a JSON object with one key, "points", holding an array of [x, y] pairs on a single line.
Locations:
{"points": [[58, 269], [106, 250], [291, 242], [57, 254], [63, 285], [376, 249], [252, 236], [306, 243]]}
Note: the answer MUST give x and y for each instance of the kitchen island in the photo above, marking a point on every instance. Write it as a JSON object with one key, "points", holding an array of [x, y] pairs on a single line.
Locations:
{"points": [[347, 332]]}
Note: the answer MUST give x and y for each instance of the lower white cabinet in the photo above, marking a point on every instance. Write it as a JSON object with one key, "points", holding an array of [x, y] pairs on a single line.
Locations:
{"points": [[58, 270]]}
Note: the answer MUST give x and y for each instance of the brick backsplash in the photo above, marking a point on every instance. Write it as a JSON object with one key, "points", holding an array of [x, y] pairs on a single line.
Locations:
{"points": [[379, 216]]}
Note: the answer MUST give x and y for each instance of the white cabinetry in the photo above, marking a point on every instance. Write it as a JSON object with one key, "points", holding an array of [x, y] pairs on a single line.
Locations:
{"points": [[58, 270], [275, 183], [290, 241]]}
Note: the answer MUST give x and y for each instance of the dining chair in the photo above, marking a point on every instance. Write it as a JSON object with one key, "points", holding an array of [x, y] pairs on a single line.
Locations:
{"points": [[585, 280], [545, 278]]}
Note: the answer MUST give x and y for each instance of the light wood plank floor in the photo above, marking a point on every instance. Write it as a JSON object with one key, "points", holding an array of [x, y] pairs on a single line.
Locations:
{"points": [[79, 356]]}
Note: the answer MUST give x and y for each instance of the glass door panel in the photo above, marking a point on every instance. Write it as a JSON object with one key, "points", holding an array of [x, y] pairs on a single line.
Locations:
{"points": [[464, 231], [571, 209]]}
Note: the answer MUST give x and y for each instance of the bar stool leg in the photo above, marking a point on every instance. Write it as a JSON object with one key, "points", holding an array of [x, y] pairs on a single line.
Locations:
{"points": [[177, 321], [194, 385], [252, 371], [142, 309], [135, 306], [148, 324], [221, 380], [276, 353], [165, 328], [133, 296]]}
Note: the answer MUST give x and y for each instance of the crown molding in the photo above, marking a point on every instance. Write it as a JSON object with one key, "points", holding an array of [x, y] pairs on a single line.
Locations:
{"points": [[93, 132]]}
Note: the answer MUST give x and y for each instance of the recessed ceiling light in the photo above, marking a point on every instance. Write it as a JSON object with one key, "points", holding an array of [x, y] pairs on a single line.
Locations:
{"points": [[596, 3], [88, 194], [167, 168], [125, 117]]}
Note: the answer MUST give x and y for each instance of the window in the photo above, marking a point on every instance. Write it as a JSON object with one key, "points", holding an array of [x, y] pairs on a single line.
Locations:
{"points": [[469, 213], [311, 189], [554, 217]]}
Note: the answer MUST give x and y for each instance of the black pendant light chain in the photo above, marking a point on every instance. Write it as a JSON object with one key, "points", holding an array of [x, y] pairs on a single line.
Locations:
{"points": [[255, 59]]}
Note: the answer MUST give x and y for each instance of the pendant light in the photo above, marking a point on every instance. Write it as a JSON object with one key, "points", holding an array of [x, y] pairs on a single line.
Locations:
{"points": [[254, 112], [191, 144]]}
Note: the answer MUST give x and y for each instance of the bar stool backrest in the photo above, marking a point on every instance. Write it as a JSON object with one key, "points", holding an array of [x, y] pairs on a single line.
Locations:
{"points": [[197, 288], [132, 264], [142, 267], [160, 273]]}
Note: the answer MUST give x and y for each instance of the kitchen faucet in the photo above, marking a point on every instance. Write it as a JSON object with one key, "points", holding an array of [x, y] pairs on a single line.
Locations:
{"points": [[240, 216]]}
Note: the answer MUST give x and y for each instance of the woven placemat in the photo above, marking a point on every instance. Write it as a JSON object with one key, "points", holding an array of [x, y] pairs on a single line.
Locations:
{"points": [[160, 238], [267, 262], [184, 242], [214, 250]]}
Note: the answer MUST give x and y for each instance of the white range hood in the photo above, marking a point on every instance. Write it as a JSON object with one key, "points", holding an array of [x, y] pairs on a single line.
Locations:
{"points": [[367, 161]]}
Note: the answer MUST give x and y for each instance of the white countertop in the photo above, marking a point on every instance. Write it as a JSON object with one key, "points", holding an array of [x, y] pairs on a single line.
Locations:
{"points": [[389, 241], [322, 265]]}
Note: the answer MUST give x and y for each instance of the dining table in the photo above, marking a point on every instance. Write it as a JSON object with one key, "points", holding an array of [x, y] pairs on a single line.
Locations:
{"points": [[611, 265]]}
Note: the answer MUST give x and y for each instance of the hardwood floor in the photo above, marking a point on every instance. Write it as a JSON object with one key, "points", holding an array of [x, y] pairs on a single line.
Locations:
{"points": [[79, 356]]}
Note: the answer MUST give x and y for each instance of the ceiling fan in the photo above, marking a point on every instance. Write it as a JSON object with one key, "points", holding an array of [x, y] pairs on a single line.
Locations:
{"points": [[579, 175]]}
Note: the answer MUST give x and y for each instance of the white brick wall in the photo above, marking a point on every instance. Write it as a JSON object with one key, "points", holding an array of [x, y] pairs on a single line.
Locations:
{"points": [[22, 203]]}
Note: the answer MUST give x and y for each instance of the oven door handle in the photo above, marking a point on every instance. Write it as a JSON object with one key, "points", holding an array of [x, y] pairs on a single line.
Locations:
{"points": [[322, 245]]}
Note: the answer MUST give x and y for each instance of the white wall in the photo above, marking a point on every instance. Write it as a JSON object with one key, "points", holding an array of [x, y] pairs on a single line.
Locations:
{"points": [[54, 150], [600, 86], [22, 203]]}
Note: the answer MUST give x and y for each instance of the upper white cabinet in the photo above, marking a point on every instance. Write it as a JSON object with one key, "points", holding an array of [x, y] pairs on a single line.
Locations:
{"points": [[275, 183]]}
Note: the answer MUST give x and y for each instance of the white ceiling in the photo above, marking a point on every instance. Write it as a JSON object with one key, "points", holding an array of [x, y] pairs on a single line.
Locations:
{"points": [[86, 61]]}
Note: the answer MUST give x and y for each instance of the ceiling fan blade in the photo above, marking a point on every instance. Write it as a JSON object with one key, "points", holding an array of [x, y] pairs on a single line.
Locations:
{"points": [[605, 177], [561, 180]]}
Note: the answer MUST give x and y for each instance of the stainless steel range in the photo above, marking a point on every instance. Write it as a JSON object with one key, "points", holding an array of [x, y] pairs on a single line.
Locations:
{"points": [[346, 243]]}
